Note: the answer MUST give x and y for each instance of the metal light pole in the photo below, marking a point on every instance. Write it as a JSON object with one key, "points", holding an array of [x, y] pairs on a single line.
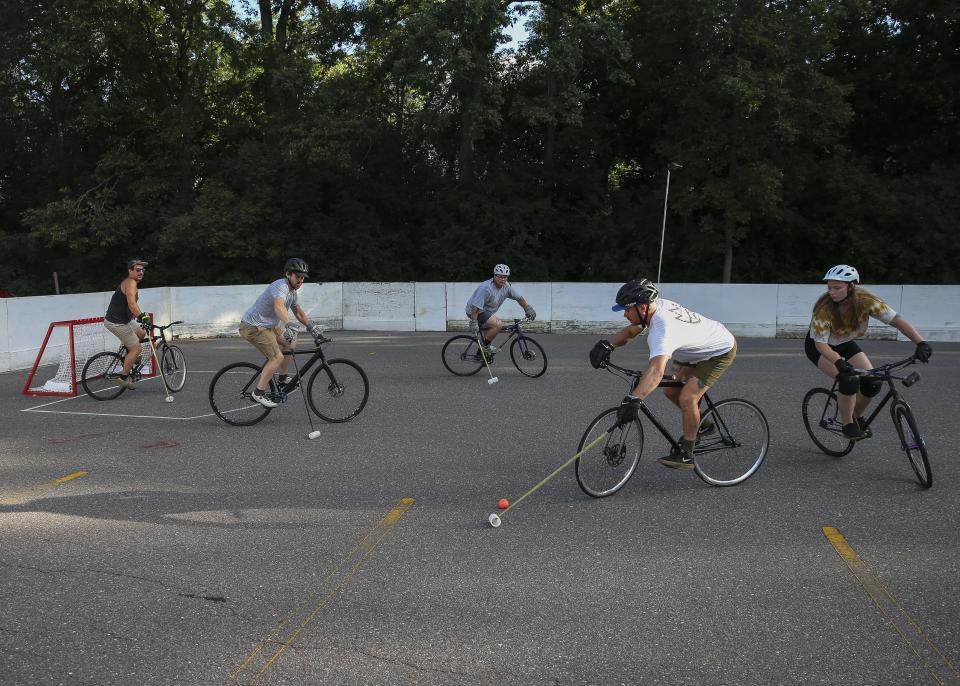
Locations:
{"points": [[673, 166]]}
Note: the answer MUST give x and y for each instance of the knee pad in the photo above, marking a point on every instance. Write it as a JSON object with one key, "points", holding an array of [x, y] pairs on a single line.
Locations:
{"points": [[870, 386], [848, 384]]}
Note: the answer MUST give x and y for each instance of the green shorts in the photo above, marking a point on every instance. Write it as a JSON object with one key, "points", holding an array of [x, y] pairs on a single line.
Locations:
{"points": [[709, 371]]}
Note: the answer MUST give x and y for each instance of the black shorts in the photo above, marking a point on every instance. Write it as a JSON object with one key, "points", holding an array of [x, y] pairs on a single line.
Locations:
{"points": [[845, 350], [482, 318]]}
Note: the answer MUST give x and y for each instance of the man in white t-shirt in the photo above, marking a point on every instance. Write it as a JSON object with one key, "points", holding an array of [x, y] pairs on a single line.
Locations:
{"points": [[702, 350], [267, 326], [486, 300]]}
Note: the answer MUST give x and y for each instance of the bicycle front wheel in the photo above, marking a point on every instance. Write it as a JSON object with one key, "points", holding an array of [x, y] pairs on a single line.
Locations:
{"points": [[528, 357], [231, 394], [912, 444], [461, 356], [821, 417], [338, 391], [604, 469], [101, 376], [174, 368], [732, 442]]}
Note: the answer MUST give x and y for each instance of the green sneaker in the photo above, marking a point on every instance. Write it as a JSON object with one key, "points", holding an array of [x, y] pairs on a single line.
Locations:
{"points": [[677, 459]]}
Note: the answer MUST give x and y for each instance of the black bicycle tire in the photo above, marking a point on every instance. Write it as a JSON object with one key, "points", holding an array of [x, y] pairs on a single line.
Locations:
{"points": [[173, 351], [807, 419], [443, 355], [117, 390], [901, 411], [513, 353], [328, 366], [608, 417], [716, 411], [263, 411]]}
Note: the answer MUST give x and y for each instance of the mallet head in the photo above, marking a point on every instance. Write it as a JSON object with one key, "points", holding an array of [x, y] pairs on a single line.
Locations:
{"points": [[313, 434], [492, 380], [494, 520]]}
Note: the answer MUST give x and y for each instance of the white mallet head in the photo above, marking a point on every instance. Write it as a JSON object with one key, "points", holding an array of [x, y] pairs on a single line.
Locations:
{"points": [[168, 399], [313, 434], [494, 520], [492, 380]]}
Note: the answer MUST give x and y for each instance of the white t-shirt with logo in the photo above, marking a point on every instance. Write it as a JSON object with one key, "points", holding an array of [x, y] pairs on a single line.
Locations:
{"points": [[685, 335], [261, 313]]}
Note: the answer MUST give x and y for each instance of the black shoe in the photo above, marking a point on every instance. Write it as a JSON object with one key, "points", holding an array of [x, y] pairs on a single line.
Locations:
{"points": [[706, 428], [864, 427], [852, 431], [677, 459]]}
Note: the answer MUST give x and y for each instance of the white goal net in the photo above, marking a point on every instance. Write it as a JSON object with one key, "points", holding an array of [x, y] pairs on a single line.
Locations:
{"points": [[65, 351]]}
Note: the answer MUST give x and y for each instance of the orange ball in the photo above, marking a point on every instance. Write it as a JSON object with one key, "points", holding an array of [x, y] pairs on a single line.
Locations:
{"points": [[504, 503]]}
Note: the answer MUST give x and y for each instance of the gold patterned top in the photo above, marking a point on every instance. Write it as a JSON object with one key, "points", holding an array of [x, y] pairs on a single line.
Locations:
{"points": [[830, 325]]}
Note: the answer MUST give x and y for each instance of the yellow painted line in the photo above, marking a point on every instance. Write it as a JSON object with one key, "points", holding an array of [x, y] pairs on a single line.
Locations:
{"points": [[18, 498], [306, 614], [932, 659]]}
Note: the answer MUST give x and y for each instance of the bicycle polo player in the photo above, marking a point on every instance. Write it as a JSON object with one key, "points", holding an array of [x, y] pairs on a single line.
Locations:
{"points": [[702, 350], [486, 300], [125, 320], [840, 317], [268, 327]]}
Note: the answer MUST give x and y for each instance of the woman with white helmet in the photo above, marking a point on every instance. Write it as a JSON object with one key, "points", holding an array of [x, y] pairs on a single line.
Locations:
{"points": [[486, 300], [840, 317]]}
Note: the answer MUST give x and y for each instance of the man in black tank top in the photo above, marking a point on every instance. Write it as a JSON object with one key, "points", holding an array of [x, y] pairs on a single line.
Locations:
{"points": [[124, 317]]}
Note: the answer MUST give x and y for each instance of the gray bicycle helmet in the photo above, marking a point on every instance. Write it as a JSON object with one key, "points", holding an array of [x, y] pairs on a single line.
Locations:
{"points": [[297, 266], [636, 292]]}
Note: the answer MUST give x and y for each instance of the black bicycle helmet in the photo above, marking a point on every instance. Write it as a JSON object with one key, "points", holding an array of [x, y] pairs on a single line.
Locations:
{"points": [[636, 292], [297, 266]]}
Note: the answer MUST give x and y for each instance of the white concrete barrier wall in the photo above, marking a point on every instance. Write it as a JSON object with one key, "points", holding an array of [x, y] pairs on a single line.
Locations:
{"points": [[762, 310]]}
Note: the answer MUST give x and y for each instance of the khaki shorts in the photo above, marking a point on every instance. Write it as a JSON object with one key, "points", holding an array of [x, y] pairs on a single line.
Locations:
{"points": [[709, 371], [129, 334], [264, 340]]}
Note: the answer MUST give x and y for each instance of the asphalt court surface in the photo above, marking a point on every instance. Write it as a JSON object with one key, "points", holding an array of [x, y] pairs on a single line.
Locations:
{"points": [[149, 542]]}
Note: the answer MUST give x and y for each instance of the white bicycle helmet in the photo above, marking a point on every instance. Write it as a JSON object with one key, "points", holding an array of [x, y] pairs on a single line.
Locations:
{"points": [[501, 270], [842, 272]]}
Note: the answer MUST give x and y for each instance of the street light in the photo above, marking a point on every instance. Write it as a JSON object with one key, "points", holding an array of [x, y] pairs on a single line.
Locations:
{"points": [[673, 166]]}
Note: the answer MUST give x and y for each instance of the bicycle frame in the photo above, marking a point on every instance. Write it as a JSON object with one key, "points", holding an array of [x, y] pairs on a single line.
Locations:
{"points": [[668, 381], [885, 374], [514, 329]]}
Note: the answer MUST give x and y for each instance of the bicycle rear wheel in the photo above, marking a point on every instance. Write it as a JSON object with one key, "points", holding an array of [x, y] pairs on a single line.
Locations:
{"points": [[732, 450], [174, 368], [609, 465], [338, 391], [821, 417], [100, 376], [528, 357], [912, 443], [230, 394], [461, 356]]}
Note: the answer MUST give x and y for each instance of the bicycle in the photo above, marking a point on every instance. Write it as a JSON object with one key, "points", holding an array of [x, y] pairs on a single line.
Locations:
{"points": [[822, 419], [337, 391], [461, 354], [732, 441], [102, 371]]}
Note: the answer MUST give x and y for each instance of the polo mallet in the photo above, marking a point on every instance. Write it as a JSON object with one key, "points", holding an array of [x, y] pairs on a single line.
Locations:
{"points": [[495, 518], [313, 432], [156, 361], [492, 380]]}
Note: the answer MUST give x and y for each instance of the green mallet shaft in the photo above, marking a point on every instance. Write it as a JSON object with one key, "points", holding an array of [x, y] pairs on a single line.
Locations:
{"points": [[555, 472]]}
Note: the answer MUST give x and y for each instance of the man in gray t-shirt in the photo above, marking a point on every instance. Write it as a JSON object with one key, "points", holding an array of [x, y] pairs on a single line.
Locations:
{"points": [[487, 299], [268, 327]]}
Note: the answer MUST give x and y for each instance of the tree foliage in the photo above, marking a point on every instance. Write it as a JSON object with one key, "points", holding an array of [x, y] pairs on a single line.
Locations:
{"points": [[409, 140]]}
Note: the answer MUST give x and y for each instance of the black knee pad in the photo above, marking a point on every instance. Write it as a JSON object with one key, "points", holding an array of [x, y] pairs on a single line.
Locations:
{"points": [[848, 384], [870, 386]]}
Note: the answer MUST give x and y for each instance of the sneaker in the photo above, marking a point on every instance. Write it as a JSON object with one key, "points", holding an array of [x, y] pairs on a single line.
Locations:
{"points": [[864, 427], [125, 382], [706, 428], [852, 431], [677, 459], [260, 397]]}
